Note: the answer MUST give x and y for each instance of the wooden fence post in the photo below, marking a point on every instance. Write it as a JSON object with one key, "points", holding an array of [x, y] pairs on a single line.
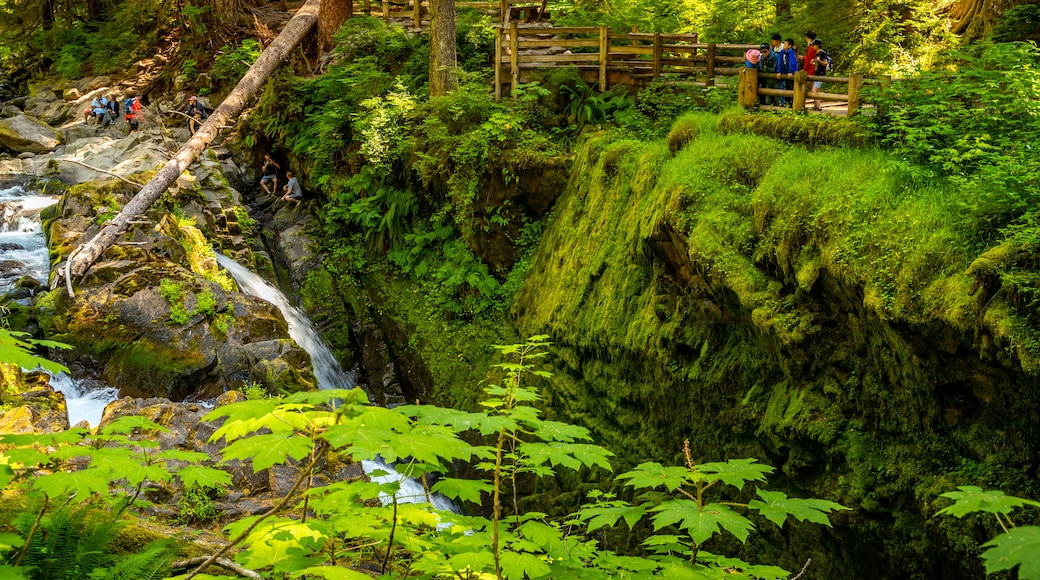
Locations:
{"points": [[368, 7], [503, 7], [498, 63], [657, 54], [709, 66], [417, 14], [514, 59], [748, 87], [604, 54], [801, 82], [855, 82], [386, 10]]}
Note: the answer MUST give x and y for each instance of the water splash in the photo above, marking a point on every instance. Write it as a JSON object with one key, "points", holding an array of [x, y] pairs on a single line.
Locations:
{"points": [[83, 404]]}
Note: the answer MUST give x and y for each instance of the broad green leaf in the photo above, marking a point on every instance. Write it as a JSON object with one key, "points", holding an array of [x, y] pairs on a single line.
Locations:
{"points": [[16, 348], [331, 573], [478, 560], [735, 472], [701, 523], [9, 540], [83, 483], [278, 539], [267, 450], [776, 506], [523, 566], [206, 477], [1018, 547], [182, 455], [129, 424], [971, 499], [6, 475], [653, 474], [12, 573], [242, 418], [599, 517], [462, 489], [565, 432]]}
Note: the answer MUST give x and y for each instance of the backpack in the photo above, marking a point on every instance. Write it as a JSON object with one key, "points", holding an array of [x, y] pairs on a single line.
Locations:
{"points": [[128, 104], [824, 56]]}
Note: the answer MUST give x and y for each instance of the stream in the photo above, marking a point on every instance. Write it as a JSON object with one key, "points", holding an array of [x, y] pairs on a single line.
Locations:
{"points": [[23, 252]]}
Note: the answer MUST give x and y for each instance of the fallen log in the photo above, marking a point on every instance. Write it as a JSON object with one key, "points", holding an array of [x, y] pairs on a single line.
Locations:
{"points": [[246, 89]]}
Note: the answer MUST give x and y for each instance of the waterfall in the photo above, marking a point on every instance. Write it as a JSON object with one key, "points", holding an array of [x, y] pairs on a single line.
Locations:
{"points": [[23, 252], [327, 369]]}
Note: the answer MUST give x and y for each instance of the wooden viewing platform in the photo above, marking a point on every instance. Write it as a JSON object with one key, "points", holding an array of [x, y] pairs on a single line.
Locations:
{"points": [[635, 59]]}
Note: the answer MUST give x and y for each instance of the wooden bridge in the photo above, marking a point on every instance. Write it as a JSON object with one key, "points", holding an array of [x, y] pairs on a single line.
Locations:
{"points": [[525, 42], [635, 59]]}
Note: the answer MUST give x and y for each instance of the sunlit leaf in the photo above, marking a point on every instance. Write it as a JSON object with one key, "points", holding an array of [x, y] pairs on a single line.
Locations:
{"points": [[1018, 547], [971, 499], [776, 506], [735, 472], [701, 523], [267, 450]]}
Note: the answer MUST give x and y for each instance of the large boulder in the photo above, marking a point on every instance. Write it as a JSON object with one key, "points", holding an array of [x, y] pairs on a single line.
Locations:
{"points": [[23, 133]]}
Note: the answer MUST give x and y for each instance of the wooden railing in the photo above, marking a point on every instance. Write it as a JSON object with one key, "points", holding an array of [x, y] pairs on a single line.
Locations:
{"points": [[607, 58], [635, 59], [749, 92]]}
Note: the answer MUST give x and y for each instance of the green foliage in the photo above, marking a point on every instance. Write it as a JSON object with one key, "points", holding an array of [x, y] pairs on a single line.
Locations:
{"points": [[231, 64], [1017, 546], [17, 348], [974, 127], [195, 504]]}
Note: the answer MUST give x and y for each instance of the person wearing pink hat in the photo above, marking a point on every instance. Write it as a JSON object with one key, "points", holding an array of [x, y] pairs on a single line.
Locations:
{"points": [[751, 58]]}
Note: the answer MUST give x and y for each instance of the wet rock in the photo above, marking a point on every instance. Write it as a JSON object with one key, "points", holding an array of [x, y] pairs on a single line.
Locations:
{"points": [[23, 133]]}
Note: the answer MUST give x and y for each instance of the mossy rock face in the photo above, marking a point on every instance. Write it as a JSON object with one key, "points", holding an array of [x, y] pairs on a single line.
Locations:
{"points": [[196, 338], [733, 295]]}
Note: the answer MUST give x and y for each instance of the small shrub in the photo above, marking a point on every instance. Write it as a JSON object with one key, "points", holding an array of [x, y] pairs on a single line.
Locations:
{"points": [[683, 132]]}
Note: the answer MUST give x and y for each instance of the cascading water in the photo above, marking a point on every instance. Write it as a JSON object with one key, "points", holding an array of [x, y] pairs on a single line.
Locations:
{"points": [[23, 252], [327, 370]]}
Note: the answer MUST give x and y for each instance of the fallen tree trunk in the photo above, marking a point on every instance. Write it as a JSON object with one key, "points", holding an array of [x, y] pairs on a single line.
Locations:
{"points": [[305, 19]]}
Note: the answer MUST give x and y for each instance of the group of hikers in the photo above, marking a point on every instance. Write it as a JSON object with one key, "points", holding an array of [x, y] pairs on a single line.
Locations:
{"points": [[105, 111], [291, 191], [777, 61]]}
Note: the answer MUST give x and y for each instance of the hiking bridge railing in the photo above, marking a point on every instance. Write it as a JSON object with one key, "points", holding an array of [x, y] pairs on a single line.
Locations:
{"points": [[635, 59]]}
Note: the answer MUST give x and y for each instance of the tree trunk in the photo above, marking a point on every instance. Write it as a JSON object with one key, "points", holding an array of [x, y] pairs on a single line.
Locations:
{"points": [[305, 19], [443, 58], [93, 10], [332, 15], [228, 11], [47, 14], [783, 7]]}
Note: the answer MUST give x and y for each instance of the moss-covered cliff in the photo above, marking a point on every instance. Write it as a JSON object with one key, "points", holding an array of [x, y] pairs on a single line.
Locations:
{"points": [[823, 310]]}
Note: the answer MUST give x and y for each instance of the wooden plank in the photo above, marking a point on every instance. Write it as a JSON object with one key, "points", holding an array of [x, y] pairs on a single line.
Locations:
{"points": [[498, 64], [619, 50], [657, 55], [558, 42], [800, 88], [591, 57], [561, 30], [604, 56], [854, 84], [709, 67], [838, 80], [829, 96], [514, 54]]}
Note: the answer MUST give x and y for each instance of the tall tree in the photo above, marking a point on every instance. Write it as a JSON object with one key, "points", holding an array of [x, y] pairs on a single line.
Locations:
{"points": [[332, 15], [444, 76]]}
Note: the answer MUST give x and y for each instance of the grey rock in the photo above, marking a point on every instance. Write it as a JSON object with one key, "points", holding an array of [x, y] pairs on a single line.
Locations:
{"points": [[23, 133]]}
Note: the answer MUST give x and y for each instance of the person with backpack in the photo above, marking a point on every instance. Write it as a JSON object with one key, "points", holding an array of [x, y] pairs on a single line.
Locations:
{"points": [[768, 73], [821, 64], [788, 66], [810, 52], [134, 111]]}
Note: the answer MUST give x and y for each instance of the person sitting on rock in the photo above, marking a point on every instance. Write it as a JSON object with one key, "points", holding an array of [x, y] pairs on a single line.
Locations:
{"points": [[195, 108], [292, 189], [270, 171], [91, 112], [102, 114]]}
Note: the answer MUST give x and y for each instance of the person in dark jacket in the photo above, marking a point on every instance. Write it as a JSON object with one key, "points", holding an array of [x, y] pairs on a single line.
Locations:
{"points": [[195, 108], [768, 73]]}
